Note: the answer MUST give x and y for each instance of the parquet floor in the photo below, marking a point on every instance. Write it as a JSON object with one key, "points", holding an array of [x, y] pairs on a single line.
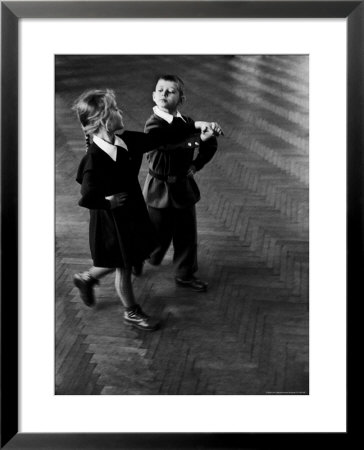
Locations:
{"points": [[249, 333]]}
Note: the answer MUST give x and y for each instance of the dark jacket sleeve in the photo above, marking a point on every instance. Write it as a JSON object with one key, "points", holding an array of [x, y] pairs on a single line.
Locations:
{"points": [[178, 135], [206, 152], [92, 194]]}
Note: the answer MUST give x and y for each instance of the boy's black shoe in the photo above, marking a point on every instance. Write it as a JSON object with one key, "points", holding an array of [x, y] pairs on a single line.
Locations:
{"points": [[85, 284], [138, 319], [193, 283]]}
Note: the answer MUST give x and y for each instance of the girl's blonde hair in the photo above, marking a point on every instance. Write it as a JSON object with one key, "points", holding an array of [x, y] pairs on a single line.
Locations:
{"points": [[93, 109]]}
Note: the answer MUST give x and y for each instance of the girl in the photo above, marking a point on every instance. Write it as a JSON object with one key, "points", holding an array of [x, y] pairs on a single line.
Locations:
{"points": [[120, 233]]}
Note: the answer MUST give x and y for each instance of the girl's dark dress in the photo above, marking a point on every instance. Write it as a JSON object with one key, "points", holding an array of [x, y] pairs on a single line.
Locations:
{"points": [[123, 236]]}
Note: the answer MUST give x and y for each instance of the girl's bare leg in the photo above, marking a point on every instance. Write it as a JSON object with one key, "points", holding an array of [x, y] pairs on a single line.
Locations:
{"points": [[124, 287], [99, 272]]}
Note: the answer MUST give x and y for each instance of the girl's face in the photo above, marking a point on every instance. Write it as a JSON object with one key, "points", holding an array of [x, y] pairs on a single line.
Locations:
{"points": [[115, 120], [167, 96]]}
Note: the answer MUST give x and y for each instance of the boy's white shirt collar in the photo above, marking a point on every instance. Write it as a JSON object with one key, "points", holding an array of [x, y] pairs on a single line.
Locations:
{"points": [[166, 116], [110, 149]]}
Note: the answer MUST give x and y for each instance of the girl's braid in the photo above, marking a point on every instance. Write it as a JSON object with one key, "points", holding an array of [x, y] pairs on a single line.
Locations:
{"points": [[87, 142]]}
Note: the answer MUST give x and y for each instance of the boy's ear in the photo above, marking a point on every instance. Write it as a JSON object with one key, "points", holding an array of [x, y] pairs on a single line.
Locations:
{"points": [[153, 96], [182, 99]]}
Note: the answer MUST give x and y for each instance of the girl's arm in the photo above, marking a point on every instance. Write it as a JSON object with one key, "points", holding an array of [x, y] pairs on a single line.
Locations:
{"points": [[169, 137], [92, 194], [143, 143], [166, 137], [180, 134]]}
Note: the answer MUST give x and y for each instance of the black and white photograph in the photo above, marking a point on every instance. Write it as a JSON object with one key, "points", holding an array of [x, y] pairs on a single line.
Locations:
{"points": [[182, 224], [181, 230]]}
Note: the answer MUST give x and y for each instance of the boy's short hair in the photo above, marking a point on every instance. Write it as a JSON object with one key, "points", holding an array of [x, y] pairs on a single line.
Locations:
{"points": [[175, 79]]}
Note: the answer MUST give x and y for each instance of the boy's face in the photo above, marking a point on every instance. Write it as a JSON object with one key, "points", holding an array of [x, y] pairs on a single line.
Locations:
{"points": [[167, 96]]}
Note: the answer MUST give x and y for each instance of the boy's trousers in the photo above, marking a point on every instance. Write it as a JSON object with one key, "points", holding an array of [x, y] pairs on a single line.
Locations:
{"points": [[177, 225]]}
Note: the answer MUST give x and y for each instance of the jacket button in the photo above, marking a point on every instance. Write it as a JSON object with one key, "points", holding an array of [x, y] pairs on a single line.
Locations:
{"points": [[189, 144]]}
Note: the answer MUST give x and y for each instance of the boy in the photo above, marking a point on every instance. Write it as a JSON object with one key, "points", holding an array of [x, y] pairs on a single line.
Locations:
{"points": [[170, 190]]}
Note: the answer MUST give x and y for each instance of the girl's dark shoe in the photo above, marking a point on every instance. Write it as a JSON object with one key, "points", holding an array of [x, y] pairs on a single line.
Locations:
{"points": [[153, 261], [193, 283], [137, 269], [138, 319], [85, 284]]}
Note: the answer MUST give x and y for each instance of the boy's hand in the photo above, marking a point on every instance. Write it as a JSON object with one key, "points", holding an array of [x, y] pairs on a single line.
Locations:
{"points": [[117, 200], [212, 126], [206, 134]]}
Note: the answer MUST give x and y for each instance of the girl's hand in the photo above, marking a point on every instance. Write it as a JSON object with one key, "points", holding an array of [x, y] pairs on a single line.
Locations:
{"points": [[209, 129], [209, 132], [203, 126], [191, 171], [117, 200]]}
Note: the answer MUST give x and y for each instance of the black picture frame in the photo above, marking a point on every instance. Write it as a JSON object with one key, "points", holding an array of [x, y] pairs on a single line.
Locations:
{"points": [[11, 12]]}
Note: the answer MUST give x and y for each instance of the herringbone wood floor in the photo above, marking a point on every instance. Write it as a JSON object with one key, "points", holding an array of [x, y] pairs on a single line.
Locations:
{"points": [[249, 333]]}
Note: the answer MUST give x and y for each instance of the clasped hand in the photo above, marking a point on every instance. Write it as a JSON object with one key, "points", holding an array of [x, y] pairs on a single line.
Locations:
{"points": [[209, 129]]}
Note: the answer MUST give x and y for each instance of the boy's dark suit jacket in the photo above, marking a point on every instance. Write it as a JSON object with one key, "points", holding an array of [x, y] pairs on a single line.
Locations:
{"points": [[183, 192]]}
